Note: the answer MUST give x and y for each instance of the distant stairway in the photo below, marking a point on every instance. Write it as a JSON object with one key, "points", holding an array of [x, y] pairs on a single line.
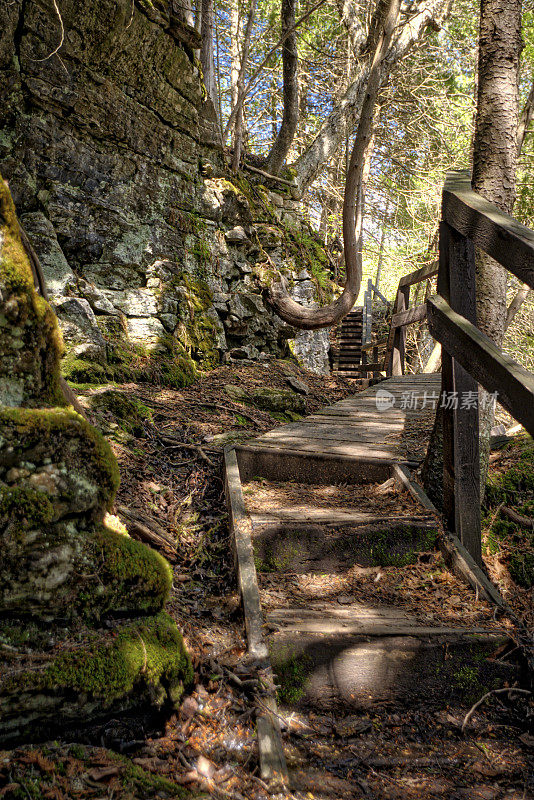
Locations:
{"points": [[346, 345]]}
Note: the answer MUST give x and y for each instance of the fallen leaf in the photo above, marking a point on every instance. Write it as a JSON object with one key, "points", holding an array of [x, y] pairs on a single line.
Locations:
{"points": [[527, 739], [188, 708]]}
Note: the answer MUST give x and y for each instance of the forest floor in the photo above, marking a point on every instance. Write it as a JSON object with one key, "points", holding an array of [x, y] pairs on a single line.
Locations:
{"points": [[172, 496]]}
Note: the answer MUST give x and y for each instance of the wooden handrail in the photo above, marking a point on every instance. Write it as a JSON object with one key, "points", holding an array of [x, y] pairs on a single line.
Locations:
{"points": [[403, 315], [468, 356], [493, 369], [379, 343], [499, 235], [413, 314], [419, 275]]}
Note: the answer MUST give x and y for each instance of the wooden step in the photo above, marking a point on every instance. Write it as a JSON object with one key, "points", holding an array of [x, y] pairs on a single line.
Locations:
{"points": [[386, 661]]}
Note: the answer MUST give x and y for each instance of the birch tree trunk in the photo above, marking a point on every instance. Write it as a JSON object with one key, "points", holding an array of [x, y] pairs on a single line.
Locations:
{"points": [[206, 51]]}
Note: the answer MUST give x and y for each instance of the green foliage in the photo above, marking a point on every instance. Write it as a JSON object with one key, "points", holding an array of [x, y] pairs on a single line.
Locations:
{"points": [[513, 486], [292, 671]]}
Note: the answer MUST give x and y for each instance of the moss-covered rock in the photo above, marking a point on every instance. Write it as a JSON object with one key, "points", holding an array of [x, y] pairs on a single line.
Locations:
{"points": [[196, 331], [280, 400], [108, 672], [31, 342], [59, 569], [60, 563], [131, 412]]}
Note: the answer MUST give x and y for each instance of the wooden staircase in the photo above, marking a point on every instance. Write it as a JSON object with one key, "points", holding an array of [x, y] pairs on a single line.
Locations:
{"points": [[346, 346]]}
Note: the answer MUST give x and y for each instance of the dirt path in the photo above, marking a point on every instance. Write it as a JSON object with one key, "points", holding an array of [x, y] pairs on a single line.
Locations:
{"points": [[209, 749]]}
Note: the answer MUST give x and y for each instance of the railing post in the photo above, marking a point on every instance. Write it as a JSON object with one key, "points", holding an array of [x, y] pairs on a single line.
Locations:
{"points": [[396, 362], [369, 314], [461, 459]]}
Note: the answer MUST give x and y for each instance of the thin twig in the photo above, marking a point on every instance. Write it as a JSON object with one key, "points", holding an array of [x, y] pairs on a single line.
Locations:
{"points": [[174, 444], [484, 697]]}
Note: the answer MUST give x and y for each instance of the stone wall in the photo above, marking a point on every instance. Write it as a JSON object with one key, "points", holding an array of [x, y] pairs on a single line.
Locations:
{"points": [[149, 250]]}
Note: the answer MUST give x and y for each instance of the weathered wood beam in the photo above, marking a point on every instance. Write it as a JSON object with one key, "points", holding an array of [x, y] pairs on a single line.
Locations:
{"points": [[419, 275], [494, 370], [413, 314], [501, 236], [461, 455], [380, 343]]}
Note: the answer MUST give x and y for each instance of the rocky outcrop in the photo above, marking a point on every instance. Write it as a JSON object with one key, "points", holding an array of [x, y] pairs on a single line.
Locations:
{"points": [[114, 161], [66, 566]]}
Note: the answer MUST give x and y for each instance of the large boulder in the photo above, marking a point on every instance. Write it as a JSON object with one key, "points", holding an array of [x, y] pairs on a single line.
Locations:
{"points": [[81, 602]]}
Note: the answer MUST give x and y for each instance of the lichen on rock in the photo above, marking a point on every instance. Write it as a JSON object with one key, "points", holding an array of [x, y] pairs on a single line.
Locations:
{"points": [[60, 562]]}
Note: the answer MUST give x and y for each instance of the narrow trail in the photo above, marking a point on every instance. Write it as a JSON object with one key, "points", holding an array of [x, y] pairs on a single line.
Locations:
{"points": [[378, 650]]}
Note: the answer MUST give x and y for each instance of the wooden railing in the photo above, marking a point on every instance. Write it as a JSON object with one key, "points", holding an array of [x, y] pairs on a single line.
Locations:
{"points": [[469, 358], [392, 361], [403, 315]]}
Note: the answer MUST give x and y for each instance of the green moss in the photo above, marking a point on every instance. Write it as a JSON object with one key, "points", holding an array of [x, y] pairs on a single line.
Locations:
{"points": [[15, 269], [517, 480], [131, 411], [26, 506], [292, 671], [388, 548], [146, 784], [195, 339], [149, 652], [513, 486], [177, 369], [46, 344], [521, 566], [79, 370], [134, 577], [62, 433], [278, 400]]}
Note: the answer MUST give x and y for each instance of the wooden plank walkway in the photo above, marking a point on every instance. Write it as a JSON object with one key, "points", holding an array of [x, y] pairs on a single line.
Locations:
{"points": [[310, 547], [379, 425]]}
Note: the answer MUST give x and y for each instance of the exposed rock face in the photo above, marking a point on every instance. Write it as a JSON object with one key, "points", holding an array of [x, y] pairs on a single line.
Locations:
{"points": [[113, 160], [62, 557]]}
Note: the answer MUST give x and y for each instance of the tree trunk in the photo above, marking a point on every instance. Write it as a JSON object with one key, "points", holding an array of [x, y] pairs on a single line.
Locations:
{"points": [[238, 129], [332, 134], [494, 160], [494, 165], [287, 308], [290, 116], [234, 52], [206, 51]]}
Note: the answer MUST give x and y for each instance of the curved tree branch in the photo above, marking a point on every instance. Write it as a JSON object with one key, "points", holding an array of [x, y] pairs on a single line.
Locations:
{"points": [[287, 308], [427, 13]]}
